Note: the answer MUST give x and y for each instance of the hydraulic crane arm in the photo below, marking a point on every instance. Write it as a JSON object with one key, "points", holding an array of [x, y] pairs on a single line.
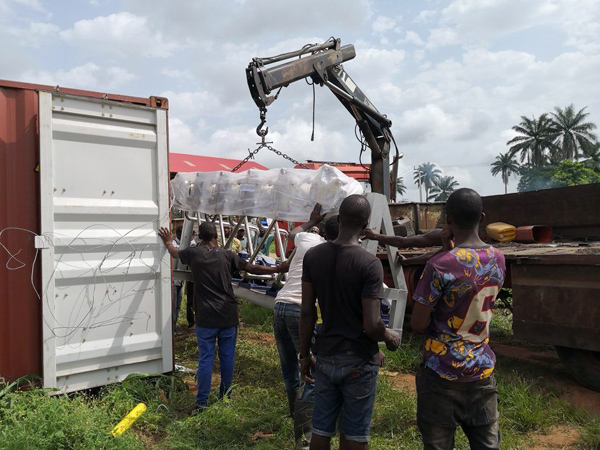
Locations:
{"points": [[323, 64]]}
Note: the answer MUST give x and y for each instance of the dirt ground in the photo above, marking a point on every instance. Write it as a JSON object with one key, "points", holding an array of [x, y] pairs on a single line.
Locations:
{"points": [[572, 392], [560, 437]]}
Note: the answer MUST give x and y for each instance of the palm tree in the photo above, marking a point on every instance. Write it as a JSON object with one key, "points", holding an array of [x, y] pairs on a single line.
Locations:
{"points": [[427, 174], [536, 137], [591, 153], [400, 187], [574, 132], [507, 166], [443, 188]]}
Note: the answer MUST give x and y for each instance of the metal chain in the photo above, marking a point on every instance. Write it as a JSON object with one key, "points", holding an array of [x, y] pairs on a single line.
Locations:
{"points": [[284, 156], [277, 152], [247, 158], [263, 133]]}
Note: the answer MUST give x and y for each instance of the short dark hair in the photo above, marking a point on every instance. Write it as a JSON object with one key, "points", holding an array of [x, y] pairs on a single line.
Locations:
{"points": [[355, 211], [332, 228], [207, 231], [464, 206], [178, 231]]}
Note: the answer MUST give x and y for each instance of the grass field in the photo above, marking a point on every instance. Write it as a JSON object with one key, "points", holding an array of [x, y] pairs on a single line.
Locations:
{"points": [[533, 411]]}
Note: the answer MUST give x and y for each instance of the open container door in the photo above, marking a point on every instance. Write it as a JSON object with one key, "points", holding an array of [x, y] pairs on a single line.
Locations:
{"points": [[106, 286]]}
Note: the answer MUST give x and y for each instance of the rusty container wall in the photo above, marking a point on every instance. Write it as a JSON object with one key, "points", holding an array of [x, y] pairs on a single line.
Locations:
{"points": [[572, 212], [424, 216], [431, 215], [403, 210], [20, 307], [557, 300]]}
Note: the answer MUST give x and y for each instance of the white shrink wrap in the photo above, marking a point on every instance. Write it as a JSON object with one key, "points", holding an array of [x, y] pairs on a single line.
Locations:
{"points": [[286, 194]]}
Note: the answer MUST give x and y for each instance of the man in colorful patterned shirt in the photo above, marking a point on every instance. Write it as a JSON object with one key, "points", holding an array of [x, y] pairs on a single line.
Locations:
{"points": [[453, 305]]}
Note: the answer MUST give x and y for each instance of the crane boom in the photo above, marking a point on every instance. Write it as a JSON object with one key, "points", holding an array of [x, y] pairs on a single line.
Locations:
{"points": [[323, 64]]}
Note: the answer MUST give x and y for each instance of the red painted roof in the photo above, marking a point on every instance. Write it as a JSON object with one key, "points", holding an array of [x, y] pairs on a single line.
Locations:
{"points": [[181, 162], [353, 170]]}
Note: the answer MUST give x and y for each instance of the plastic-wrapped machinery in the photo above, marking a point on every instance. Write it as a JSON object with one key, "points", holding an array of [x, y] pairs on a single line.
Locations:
{"points": [[286, 194]]}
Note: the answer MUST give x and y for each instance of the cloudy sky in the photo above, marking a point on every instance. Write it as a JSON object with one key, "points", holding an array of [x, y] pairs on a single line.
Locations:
{"points": [[453, 76]]}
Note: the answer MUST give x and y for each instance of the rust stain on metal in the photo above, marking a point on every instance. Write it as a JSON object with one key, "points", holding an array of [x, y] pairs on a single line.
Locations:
{"points": [[557, 300], [572, 212], [156, 102], [20, 309]]}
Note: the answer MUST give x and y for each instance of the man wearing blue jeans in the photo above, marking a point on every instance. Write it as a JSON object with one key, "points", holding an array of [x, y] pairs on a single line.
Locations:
{"points": [[214, 303], [286, 321], [348, 282]]}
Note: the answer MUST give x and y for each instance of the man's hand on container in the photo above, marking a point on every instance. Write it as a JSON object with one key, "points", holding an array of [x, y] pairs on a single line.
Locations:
{"points": [[165, 235]]}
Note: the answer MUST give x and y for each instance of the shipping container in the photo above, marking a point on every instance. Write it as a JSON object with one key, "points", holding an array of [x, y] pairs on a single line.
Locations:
{"points": [[85, 290]]}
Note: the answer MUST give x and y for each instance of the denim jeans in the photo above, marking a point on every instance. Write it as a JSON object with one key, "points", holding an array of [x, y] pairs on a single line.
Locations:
{"points": [[286, 327], [443, 405], [177, 297], [345, 387], [207, 337]]}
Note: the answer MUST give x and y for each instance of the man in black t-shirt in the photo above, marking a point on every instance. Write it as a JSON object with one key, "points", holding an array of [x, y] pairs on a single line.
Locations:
{"points": [[348, 281], [214, 303]]}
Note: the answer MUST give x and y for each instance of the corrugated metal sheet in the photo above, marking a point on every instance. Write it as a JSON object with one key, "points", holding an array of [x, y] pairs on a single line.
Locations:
{"points": [[20, 308], [104, 193], [154, 102], [181, 162], [572, 212], [128, 154], [353, 170], [557, 300]]}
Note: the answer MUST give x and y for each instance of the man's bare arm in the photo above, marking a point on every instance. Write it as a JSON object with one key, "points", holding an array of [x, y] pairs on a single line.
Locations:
{"points": [[314, 220], [421, 317], [430, 239], [167, 239], [308, 319], [261, 270], [374, 327]]}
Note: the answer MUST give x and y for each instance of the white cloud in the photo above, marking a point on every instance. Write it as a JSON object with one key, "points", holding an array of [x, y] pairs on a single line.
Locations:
{"points": [[43, 29], [38, 34], [413, 38], [425, 16], [35, 5], [88, 76], [122, 33], [177, 74], [181, 137], [440, 37], [383, 24], [187, 105], [479, 22]]}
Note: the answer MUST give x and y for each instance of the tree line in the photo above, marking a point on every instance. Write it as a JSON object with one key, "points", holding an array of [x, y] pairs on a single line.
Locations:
{"points": [[430, 179], [554, 149]]}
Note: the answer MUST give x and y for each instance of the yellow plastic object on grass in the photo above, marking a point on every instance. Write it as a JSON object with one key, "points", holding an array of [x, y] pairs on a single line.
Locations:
{"points": [[501, 232], [128, 420]]}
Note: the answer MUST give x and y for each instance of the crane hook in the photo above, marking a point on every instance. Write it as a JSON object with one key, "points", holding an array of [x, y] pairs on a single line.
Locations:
{"points": [[262, 133]]}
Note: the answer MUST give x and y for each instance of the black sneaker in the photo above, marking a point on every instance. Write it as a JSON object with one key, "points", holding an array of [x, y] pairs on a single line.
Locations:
{"points": [[198, 409]]}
